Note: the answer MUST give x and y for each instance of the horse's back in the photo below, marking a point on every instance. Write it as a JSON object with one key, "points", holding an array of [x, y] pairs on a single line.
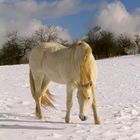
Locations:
{"points": [[39, 52], [51, 47], [46, 59]]}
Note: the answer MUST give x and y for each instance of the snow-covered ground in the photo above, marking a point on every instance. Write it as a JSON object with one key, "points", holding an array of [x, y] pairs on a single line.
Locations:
{"points": [[118, 99]]}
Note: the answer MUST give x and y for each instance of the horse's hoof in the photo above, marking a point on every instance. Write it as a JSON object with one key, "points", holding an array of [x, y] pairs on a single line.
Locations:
{"points": [[39, 116], [67, 120], [97, 122]]}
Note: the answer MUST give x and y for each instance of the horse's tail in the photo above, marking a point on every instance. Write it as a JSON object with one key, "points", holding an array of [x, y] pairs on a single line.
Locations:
{"points": [[47, 99], [46, 96]]}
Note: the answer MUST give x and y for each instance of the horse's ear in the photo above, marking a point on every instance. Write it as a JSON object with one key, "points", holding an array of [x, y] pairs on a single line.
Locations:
{"points": [[85, 71], [79, 42]]}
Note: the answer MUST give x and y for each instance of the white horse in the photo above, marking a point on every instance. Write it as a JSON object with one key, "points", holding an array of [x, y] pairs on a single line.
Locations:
{"points": [[74, 66]]}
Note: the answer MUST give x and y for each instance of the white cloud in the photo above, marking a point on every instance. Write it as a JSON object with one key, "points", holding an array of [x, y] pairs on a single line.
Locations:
{"points": [[64, 7], [26, 15], [63, 33], [44, 9], [114, 17]]}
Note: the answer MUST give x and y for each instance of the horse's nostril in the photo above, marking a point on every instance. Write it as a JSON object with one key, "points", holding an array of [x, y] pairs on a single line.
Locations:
{"points": [[88, 98], [85, 118]]}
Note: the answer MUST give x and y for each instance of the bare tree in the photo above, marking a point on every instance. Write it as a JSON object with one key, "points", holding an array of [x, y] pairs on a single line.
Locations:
{"points": [[46, 34], [15, 48], [10, 53]]}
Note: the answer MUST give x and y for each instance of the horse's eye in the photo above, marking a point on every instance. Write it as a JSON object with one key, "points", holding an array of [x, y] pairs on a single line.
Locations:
{"points": [[90, 83], [88, 98]]}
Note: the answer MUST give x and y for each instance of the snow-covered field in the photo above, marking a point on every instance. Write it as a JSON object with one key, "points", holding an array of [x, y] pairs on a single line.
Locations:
{"points": [[118, 99]]}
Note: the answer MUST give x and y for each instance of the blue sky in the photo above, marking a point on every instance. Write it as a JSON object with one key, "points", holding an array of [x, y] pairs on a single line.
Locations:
{"points": [[71, 17], [78, 23]]}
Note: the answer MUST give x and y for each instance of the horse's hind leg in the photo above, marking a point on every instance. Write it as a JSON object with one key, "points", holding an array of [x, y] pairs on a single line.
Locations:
{"points": [[38, 108], [38, 83], [43, 88]]}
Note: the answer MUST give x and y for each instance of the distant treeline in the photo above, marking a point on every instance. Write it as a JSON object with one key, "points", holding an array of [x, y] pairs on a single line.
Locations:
{"points": [[104, 44]]}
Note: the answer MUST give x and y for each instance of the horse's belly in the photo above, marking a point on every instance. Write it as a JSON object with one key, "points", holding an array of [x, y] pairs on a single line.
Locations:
{"points": [[56, 77], [58, 80]]}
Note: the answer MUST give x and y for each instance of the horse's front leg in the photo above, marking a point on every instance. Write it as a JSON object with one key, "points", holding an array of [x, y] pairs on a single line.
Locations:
{"points": [[94, 107], [69, 102]]}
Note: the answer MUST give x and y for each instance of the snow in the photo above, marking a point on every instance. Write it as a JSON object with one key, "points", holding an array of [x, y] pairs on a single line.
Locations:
{"points": [[118, 99]]}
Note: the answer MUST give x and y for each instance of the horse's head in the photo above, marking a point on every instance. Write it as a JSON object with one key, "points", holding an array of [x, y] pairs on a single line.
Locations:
{"points": [[85, 89], [85, 99]]}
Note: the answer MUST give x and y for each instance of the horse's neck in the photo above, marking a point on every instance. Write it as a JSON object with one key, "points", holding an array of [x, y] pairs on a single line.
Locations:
{"points": [[75, 59], [73, 56]]}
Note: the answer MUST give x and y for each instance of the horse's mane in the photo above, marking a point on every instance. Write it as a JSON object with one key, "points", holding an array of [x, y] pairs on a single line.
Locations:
{"points": [[85, 68]]}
